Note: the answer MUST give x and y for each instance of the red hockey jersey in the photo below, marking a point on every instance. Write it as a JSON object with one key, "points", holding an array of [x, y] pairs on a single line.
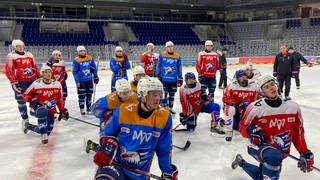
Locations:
{"points": [[21, 68], [235, 93], [150, 62], [50, 95], [207, 64], [59, 71], [190, 99], [281, 126]]}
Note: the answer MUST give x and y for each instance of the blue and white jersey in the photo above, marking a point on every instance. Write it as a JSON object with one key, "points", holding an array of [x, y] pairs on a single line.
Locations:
{"points": [[81, 69], [169, 67]]}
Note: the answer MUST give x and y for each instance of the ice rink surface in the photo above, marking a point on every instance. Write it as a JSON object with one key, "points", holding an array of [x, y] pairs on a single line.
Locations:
{"points": [[22, 156]]}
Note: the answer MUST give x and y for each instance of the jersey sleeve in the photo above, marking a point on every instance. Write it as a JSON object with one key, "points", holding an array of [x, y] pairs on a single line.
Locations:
{"points": [[95, 70], [275, 65], [298, 135], [60, 102], [35, 67], [179, 67], [128, 66], [164, 148], [159, 66], [143, 58], [99, 107], [112, 126], [114, 66], [75, 70], [246, 120], [29, 93], [10, 69], [184, 102]]}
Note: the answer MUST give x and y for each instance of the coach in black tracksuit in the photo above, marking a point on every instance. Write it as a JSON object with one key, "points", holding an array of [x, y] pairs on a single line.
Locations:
{"points": [[223, 69], [297, 57], [282, 69]]}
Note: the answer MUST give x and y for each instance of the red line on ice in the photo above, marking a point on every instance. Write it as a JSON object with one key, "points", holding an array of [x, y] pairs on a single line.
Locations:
{"points": [[39, 168]]}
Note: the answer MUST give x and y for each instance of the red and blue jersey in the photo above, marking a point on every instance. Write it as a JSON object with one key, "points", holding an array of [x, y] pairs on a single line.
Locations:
{"points": [[59, 71], [190, 99], [150, 62], [207, 64]]}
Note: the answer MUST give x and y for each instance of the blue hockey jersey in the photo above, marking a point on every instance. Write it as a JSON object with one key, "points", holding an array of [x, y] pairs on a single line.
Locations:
{"points": [[119, 68], [169, 67], [140, 138], [81, 68]]}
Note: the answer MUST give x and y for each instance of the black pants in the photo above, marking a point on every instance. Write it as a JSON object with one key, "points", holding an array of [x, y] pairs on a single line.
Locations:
{"points": [[285, 79], [296, 77], [223, 78]]}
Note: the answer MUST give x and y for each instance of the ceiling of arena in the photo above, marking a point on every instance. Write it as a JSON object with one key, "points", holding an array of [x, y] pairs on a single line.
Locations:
{"points": [[195, 5]]}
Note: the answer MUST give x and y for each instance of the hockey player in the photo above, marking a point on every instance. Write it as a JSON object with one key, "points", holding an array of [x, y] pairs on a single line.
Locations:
{"points": [[238, 95], [134, 133], [282, 69], [252, 74], [59, 71], [149, 59], [84, 71], [169, 72], [223, 69], [44, 95], [272, 125], [103, 107], [207, 64], [119, 65], [192, 104], [21, 70], [297, 57], [138, 73]]}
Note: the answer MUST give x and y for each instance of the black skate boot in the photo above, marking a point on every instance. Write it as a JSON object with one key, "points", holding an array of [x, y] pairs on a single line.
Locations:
{"points": [[27, 127], [89, 146], [238, 161], [82, 112], [216, 130]]}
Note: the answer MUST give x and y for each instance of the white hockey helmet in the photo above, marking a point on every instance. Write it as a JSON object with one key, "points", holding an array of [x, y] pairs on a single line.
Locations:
{"points": [[149, 84], [138, 70], [81, 48], [122, 85], [56, 52], [150, 44], [17, 42], [262, 80], [249, 65], [44, 68], [169, 43], [118, 48], [208, 43]]}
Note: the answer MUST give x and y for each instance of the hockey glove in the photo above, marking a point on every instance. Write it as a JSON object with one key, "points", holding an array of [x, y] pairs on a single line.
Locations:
{"points": [[183, 119], [256, 135], [64, 114], [306, 161], [205, 97], [179, 81], [201, 78], [16, 87], [275, 74], [96, 80], [108, 149], [173, 176]]}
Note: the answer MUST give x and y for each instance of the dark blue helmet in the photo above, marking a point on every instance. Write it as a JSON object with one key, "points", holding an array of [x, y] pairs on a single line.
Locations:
{"points": [[189, 75], [240, 73]]}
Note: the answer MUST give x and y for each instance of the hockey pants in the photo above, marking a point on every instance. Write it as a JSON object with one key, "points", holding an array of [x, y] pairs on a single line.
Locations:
{"points": [[270, 163], [45, 120], [169, 88], [85, 93], [210, 84]]}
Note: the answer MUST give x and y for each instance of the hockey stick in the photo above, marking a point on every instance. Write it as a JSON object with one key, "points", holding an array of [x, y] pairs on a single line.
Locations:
{"points": [[136, 170], [77, 119], [95, 85], [295, 158], [186, 146]]}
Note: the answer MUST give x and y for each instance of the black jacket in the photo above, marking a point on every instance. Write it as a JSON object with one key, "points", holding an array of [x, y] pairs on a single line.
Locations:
{"points": [[222, 62], [283, 65], [297, 57]]}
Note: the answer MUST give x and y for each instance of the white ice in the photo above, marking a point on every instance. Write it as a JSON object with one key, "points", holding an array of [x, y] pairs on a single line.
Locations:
{"points": [[208, 157]]}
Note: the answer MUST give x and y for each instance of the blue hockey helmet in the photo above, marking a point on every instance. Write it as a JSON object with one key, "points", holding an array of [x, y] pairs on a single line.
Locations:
{"points": [[240, 73], [189, 75]]}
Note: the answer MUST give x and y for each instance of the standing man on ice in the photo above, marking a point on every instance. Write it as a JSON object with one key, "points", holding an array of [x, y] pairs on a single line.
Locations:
{"points": [[119, 64], [21, 71], [207, 64], [269, 138], [134, 133], [169, 72], [149, 59], [44, 95], [192, 104], [84, 71]]}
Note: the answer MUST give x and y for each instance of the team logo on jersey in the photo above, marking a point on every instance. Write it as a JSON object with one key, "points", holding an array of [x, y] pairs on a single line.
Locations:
{"points": [[138, 157], [125, 129], [28, 70], [169, 60], [150, 66], [86, 72], [141, 136], [51, 103], [47, 93], [282, 140], [156, 134], [168, 70], [210, 66], [279, 123], [130, 107]]}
